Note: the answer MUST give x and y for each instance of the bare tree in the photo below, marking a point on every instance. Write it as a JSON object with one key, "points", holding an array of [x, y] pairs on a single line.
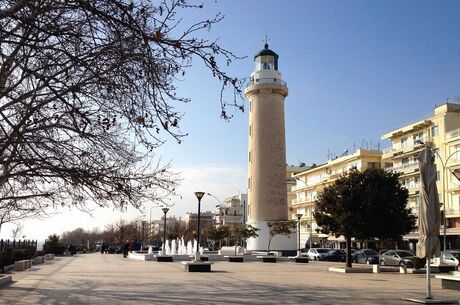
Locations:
{"points": [[87, 92], [16, 232]]}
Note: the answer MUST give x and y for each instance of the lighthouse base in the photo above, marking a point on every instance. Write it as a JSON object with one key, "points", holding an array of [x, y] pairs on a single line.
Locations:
{"points": [[287, 244]]}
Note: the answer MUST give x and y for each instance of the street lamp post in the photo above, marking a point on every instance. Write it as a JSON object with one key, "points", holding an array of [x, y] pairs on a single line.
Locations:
{"points": [[311, 226], [299, 216], [165, 210], [198, 195], [444, 178]]}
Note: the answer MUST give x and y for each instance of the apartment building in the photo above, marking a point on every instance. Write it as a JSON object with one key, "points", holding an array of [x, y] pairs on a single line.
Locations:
{"points": [[232, 211], [441, 132], [311, 181]]}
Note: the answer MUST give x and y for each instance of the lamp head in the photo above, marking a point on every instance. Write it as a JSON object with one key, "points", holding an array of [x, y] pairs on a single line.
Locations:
{"points": [[456, 174], [165, 210], [199, 195], [298, 216]]}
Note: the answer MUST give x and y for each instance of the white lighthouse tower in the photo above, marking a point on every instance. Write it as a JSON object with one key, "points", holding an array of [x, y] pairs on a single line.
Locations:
{"points": [[267, 189]]}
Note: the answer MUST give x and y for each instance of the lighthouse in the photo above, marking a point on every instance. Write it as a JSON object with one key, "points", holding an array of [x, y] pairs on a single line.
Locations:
{"points": [[267, 189]]}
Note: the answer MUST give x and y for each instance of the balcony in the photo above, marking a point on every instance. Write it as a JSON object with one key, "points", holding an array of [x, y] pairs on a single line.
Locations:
{"points": [[266, 81], [404, 167], [304, 200], [452, 212], [453, 134], [406, 147]]}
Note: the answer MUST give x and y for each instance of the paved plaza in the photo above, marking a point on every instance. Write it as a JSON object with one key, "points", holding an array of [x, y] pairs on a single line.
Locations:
{"points": [[110, 279]]}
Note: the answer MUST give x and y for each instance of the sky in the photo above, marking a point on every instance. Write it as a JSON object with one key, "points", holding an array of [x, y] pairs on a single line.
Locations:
{"points": [[355, 71]]}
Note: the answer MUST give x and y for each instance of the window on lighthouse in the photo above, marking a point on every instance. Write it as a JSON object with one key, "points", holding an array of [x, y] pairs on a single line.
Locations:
{"points": [[266, 62]]}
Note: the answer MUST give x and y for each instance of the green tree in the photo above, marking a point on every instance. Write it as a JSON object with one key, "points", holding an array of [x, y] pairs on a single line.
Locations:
{"points": [[218, 234], [364, 205], [52, 245], [242, 232], [279, 227]]}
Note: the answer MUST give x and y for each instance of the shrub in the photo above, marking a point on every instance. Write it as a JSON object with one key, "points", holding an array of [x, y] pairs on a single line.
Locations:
{"points": [[21, 254], [418, 262]]}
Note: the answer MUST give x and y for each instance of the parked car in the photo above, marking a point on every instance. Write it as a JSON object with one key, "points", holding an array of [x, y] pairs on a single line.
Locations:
{"points": [[366, 256], [455, 253], [336, 255], [396, 258], [317, 254], [447, 258]]}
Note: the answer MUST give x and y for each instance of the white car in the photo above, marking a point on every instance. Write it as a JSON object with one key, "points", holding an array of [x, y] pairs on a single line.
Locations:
{"points": [[447, 258], [317, 254]]}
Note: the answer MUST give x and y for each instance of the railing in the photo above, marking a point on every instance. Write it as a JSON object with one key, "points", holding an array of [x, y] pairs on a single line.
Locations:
{"points": [[388, 150], [7, 247], [402, 166], [296, 201], [453, 133], [400, 146], [266, 81], [452, 211]]}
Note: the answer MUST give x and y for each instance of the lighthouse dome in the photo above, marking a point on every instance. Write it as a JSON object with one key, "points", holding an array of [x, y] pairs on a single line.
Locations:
{"points": [[266, 59]]}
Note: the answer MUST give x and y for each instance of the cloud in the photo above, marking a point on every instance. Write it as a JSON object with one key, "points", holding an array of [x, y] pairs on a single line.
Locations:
{"points": [[222, 181]]}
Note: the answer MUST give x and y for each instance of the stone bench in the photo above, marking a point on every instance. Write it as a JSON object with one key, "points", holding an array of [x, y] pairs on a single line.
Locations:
{"points": [[451, 281], [5, 279], [38, 260], [230, 251], [49, 256], [267, 258], [197, 266], [22, 265]]}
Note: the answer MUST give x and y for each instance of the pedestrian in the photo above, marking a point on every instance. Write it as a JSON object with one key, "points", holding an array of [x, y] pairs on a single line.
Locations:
{"points": [[125, 249]]}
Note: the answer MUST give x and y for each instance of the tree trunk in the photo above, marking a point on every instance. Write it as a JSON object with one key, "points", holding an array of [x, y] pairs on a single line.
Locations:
{"points": [[348, 260], [268, 247]]}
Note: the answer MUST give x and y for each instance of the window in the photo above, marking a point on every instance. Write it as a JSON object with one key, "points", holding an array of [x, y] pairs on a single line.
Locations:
{"points": [[249, 156], [373, 165], [249, 183], [404, 142], [250, 106], [405, 162], [457, 154], [434, 131], [250, 130], [417, 137], [438, 176]]}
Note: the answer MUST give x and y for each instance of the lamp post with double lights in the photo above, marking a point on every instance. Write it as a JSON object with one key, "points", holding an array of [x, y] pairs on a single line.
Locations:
{"points": [[198, 195], [299, 216], [165, 210], [444, 178]]}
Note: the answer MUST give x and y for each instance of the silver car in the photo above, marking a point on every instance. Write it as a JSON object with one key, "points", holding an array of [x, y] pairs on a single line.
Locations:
{"points": [[317, 254], [396, 258]]}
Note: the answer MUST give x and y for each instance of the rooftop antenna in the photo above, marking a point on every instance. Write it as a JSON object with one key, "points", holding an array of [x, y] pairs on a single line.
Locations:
{"points": [[447, 99]]}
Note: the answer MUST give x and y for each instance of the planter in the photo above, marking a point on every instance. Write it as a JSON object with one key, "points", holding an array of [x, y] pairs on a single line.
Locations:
{"points": [[267, 258], [197, 266], [234, 259], [164, 258]]}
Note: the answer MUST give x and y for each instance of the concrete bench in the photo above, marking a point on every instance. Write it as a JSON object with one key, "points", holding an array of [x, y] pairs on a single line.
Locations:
{"points": [[22, 265], [38, 260], [49, 256], [230, 251], [451, 281]]}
